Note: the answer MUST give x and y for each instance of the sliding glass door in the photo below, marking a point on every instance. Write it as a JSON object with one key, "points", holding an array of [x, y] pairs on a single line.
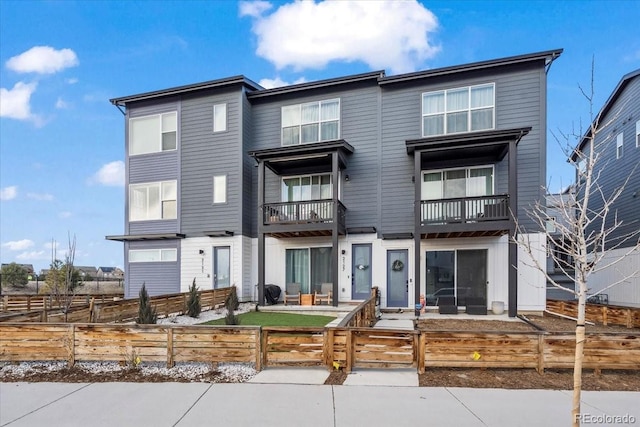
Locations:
{"points": [[310, 267], [458, 273]]}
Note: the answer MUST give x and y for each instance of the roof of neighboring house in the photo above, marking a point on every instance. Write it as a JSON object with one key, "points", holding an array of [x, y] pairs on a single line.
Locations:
{"points": [[622, 84], [86, 269], [28, 267], [179, 90], [107, 269]]}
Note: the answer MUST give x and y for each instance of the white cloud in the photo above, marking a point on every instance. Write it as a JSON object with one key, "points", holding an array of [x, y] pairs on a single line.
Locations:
{"points": [[33, 256], [382, 34], [72, 80], [278, 82], [64, 215], [8, 193], [14, 103], [44, 197], [43, 60], [111, 175], [61, 104], [18, 245], [254, 8]]}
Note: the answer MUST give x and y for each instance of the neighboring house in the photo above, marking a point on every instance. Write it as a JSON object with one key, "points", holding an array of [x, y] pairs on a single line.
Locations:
{"points": [[110, 273], [403, 182], [619, 146], [559, 261], [86, 272]]}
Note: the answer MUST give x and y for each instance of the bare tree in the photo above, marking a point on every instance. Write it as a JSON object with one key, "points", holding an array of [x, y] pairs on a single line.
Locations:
{"points": [[63, 280], [586, 229]]}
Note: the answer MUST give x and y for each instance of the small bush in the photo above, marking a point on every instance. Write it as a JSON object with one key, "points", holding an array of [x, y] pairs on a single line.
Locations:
{"points": [[146, 312], [231, 303], [231, 319], [193, 303]]}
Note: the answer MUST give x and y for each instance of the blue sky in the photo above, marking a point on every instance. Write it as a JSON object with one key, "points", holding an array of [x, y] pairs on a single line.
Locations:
{"points": [[62, 142]]}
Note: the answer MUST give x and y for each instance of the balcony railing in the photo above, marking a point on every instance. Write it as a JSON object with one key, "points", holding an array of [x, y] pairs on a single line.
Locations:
{"points": [[464, 210], [306, 212]]}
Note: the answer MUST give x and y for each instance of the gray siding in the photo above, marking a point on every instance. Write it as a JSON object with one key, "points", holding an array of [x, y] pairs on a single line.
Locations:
{"points": [[623, 115], [159, 277], [249, 204], [518, 104], [205, 154]]}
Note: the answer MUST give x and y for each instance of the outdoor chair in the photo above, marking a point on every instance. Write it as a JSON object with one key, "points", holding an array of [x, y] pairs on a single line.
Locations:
{"points": [[447, 305], [325, 294], [292, 293]]}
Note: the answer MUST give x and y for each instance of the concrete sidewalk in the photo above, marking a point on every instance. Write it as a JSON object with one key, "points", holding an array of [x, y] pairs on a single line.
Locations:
{"points": [[255, 404]]}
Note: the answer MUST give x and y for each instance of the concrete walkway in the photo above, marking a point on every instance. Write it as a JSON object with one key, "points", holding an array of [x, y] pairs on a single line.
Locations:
{"points": [[275, 404]]}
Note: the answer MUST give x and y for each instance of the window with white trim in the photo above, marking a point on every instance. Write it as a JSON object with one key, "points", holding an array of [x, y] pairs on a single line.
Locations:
{"points": [[220, 117], [638, 134], [619, 145], [153, 255], [463, 109], [307, 187], [153, 201], [220, 189], [311, 122], [153, 134]]}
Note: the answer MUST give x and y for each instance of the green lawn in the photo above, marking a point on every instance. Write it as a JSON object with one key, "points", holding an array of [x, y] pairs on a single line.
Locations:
{"points": [[260, 318]]}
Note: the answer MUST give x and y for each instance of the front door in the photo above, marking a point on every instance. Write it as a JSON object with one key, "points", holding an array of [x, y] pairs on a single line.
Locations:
{"points": [[361, 271], [221, 267], [397, 278]]}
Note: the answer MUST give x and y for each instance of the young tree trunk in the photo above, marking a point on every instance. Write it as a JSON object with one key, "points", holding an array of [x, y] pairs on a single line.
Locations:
{"points": [[579, 355]]}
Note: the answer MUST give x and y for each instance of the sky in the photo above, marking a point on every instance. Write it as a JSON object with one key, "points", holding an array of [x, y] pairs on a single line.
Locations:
{"points": [[62, 142]]}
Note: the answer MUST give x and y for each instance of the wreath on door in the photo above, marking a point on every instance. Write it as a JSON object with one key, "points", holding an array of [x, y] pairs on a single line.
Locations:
{"points": [[397, 265]]}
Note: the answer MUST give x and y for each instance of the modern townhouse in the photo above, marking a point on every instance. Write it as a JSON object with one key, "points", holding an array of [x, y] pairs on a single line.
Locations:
{"points": [[404, 182], [618, 146]]}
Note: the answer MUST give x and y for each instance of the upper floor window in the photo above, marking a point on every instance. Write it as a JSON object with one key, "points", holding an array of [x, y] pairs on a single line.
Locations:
{"points": [[619, 145], [155, 200], [638, 134], [220, 189], [152, 134], [463, 109], [457, 183], [220, 117], [153, 255], [308, 187], [311, 122]]}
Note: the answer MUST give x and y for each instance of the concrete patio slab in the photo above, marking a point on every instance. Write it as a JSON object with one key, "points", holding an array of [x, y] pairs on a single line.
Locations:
{"points": [[291, 376], [381, 377]]}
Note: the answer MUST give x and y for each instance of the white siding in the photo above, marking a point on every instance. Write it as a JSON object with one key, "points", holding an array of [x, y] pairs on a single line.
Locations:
{"points": [[532, 295], [626, 293]]}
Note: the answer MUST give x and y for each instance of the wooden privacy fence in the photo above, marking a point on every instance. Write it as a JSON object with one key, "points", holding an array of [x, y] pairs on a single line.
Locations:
{"points": [[24, 302], [120, 311], [346, 348], [597, 313], [364, 314]]}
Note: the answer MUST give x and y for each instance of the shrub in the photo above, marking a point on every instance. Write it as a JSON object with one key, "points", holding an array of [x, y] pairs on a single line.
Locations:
{"points": [[231, 303], [146, 312], [231, 319], [15, 275], [193, 303]]}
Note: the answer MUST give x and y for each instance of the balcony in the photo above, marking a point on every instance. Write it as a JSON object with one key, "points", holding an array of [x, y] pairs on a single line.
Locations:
{"points": [[305, 218], [465, 216]]}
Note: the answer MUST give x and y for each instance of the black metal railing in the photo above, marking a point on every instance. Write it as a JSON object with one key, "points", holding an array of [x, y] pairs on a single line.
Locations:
{"points": [[309, 211], [464, 210]]}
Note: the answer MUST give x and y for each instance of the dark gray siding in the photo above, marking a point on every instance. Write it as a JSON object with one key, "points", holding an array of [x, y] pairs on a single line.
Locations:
{"points": [[519, 103], [621, 117], [359, 126], [249, 205], [205, 154], [159, 277]]}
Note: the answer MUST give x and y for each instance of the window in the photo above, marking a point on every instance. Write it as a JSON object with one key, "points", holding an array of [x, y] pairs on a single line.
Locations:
{"points": [[157, 200], [550, 225], [455, 183], [638, 134], [220, 117], [464, 109], [152, 134], [311, 267], [311, 122], [220, 189], [309, 187], [153, 255], [619, 147]]}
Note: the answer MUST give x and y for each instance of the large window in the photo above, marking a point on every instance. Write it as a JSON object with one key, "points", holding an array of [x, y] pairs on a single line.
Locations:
{"points": [[455, 183], [308, 187], [463, 109], [311, 122], [153, 255], [155, 200], [152, 134], [310, 267]]}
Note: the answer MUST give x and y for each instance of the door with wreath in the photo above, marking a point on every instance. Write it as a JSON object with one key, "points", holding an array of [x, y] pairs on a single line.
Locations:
{"points": [[398, 278]]}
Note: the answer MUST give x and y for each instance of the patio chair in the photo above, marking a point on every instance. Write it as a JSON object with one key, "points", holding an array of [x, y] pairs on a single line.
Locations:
{"points": [[447, 305], [292, 293], [325, 294]]}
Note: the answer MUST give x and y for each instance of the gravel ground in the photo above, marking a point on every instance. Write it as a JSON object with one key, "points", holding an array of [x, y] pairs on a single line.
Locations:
{"points": [[204, 317]]}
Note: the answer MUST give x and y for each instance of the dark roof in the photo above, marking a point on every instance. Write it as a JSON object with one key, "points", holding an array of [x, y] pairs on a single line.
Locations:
{"points": [[134, 237], [228, 81], [373, 76], [106, 269], [549, 56], [467, 139], [624, 81]]}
